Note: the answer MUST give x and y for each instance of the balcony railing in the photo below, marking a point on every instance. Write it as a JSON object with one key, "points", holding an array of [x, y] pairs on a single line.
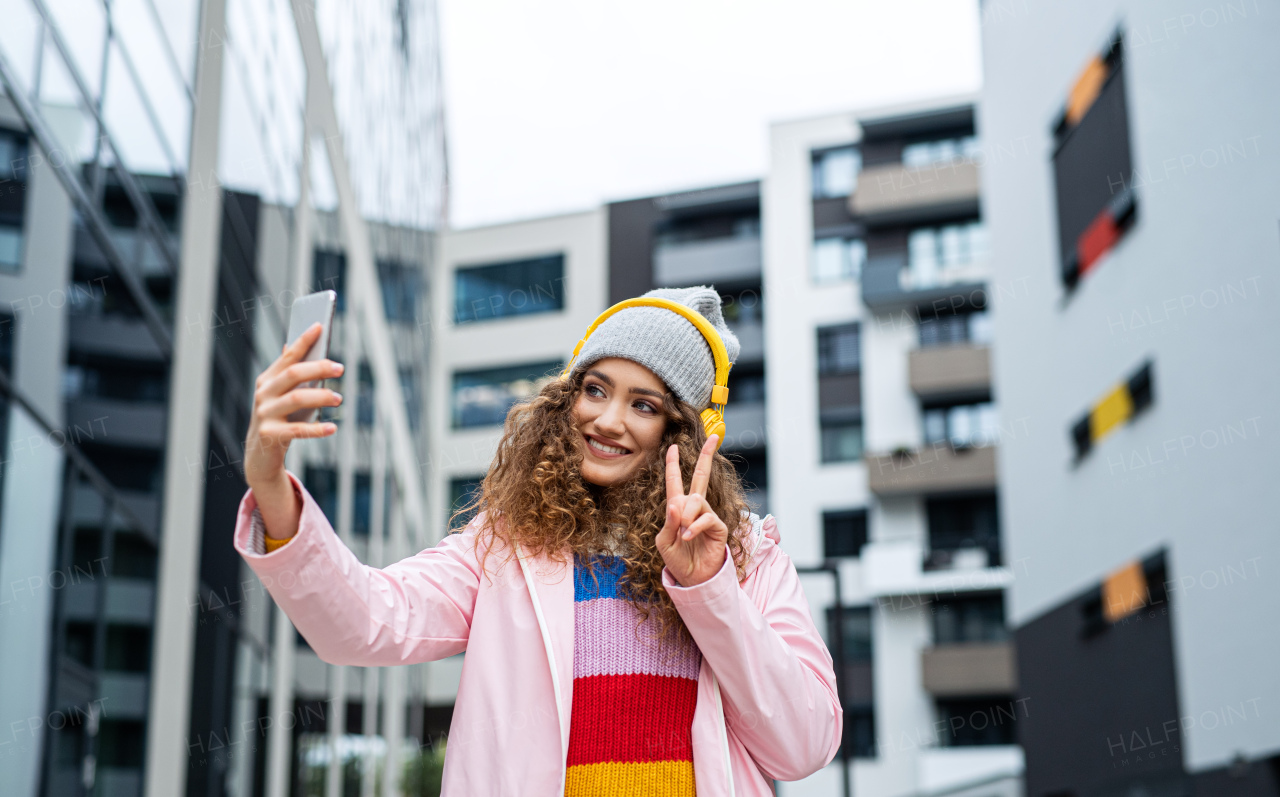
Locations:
{"points": [[708, 261], [932, 469], [893, 192], [951, 371], [975, 669], [889, 283]]}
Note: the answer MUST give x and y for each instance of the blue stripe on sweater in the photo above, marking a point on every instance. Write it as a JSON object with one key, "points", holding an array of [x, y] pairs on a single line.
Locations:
{"points": [[604, 584]]}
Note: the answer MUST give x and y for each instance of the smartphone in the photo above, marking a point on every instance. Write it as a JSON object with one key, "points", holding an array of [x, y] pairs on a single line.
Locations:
{"points": [[308, 310]]}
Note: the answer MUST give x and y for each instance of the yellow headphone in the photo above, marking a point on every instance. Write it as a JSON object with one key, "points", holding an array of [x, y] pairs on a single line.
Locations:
{"points": [[712, 418]]}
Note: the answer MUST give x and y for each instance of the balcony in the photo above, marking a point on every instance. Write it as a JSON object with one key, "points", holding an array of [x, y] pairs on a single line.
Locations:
{"points": [[950, 372], [116, 335], [114, 422], [894, 193], [975, 669], [897, 567], [889, 284], [932, 469], [705, 262]]}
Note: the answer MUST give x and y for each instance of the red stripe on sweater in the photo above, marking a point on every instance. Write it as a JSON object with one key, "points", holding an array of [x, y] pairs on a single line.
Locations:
{"points": [[632, 718]]}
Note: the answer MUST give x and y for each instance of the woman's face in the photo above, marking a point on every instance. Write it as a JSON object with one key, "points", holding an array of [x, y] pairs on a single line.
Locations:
{"points": [[619, 415]]}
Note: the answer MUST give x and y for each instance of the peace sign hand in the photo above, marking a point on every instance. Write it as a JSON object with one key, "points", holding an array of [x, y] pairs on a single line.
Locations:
{"points": [[692, 542]]}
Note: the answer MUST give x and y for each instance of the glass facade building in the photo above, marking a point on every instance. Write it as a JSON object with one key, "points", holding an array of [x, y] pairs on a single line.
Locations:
{"points": [[172, 176]]}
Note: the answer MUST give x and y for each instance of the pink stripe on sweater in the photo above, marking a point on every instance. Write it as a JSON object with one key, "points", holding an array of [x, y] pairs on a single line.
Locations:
{"points": [[610, 641]]}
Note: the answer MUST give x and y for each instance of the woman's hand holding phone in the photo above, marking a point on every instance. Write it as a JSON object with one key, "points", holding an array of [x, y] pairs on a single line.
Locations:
{"points": [[275, 396]]}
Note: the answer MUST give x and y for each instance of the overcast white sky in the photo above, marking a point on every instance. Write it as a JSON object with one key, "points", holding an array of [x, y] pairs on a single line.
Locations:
{"points": [[558, 105]]}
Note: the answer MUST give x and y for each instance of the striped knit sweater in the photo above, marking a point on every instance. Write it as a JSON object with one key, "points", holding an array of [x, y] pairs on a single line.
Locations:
{"points": [[633, 696]]}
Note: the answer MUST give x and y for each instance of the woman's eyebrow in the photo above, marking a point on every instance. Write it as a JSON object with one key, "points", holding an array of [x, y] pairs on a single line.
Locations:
{"points": [[602, 377], [646, 391]]}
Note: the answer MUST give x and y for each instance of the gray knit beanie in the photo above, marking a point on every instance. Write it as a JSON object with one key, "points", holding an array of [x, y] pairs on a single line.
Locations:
{"points": [[666, 343]]}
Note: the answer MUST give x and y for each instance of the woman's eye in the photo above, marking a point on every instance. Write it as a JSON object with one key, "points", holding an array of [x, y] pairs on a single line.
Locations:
{"points": [[595, 390], [644, 406]]}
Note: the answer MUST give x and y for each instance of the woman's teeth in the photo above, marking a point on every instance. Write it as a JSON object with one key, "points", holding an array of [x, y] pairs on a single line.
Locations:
{"points": [[596, 444]]}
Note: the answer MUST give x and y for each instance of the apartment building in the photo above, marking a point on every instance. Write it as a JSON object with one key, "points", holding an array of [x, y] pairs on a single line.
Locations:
{"points": [[1133, 217], [883, 436], [147, 262]]}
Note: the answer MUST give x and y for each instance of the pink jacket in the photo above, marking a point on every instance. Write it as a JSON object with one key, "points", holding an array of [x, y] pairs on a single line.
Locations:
{"points": [[767, 706]]}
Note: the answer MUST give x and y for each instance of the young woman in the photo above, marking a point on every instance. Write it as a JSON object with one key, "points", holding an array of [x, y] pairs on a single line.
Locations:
{"points": [[624, 635]]}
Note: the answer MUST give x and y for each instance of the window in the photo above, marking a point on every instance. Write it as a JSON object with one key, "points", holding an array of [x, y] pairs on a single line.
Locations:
{"points": [[844, 533], [707, 227], [931, 251], [13, 193], [963, 526], [962, 425], [857, 698], [838, 259], [362, 503], [461, 493], [746, 384], [121, 744], [515, 288], [364, 395], [855, 633], [400, 283], [974, 618], [329, 273], [1092, 165], [840, 393], [835, 172], [968, 723], [322, 483], [943, 150], [839, 349], [128, 648], [122, 380], [953, 328], [841, 441], [136, 469], [134, 557], [482, 398]]}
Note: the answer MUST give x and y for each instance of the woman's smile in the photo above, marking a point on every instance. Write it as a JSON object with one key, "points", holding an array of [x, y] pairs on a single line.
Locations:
{"points": [[600, 448]]}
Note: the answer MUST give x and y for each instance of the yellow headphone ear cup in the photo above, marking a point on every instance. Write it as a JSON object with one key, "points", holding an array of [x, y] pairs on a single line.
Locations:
{"points": [[713, 423]]}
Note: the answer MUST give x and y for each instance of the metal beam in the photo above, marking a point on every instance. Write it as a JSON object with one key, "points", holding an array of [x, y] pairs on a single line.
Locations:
{"points": [[167, 761], [364, 281]]}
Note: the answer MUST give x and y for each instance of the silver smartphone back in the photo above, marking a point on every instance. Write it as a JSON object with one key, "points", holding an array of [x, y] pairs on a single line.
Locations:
{"points": [[310, 309]]}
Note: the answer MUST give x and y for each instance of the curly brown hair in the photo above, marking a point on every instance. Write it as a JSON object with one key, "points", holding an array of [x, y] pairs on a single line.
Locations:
{"points": [[534, 496]]}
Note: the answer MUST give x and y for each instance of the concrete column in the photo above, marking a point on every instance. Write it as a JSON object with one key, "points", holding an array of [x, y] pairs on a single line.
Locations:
{"points": [[394, 696], [347, 432], [377, 512], [33, 465], [187, 428], [283, 646]]}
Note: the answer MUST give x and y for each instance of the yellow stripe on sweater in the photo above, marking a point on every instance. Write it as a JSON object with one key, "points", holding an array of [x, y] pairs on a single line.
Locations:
{"points": [[674, 778]]}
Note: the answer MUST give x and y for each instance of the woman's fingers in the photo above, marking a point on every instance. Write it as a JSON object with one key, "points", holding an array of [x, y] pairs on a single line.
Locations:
{"points": [[283, 432], [293, 351], [702, 471], [695, 506], [704, 524], [294, 375], [302, 398], [675, 482], [671, 527]]}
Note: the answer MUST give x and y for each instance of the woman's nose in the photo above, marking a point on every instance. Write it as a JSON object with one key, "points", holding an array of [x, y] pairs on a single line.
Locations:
{"points": [[610, 421]]}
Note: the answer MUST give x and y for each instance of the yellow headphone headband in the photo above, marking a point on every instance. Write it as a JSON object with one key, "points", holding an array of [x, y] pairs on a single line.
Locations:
{"points": [[712, 419]]}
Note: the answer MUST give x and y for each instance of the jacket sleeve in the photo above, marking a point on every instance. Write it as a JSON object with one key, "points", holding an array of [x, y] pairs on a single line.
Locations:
{"points": [[416, 610], [775, 673]]}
